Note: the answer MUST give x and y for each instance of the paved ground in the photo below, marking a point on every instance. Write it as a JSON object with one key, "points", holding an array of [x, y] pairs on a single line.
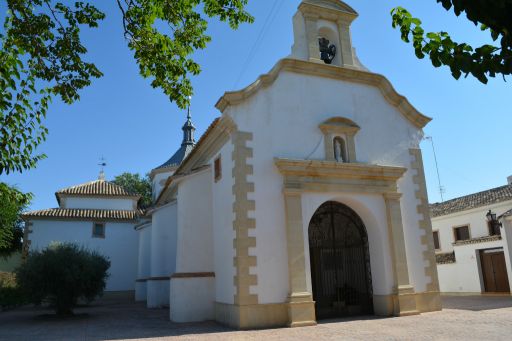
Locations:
{"points": [[464, 318]]}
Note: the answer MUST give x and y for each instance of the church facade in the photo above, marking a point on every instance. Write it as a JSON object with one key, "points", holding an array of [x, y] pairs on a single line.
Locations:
{"points": [[305, 199]]}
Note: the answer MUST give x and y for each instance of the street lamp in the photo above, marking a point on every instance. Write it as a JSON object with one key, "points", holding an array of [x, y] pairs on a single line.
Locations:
{"points": [[494, 224]]}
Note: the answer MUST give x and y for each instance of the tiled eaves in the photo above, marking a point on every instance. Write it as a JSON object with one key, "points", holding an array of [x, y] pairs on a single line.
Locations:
{"points": [[82, 214], [484, 198]]}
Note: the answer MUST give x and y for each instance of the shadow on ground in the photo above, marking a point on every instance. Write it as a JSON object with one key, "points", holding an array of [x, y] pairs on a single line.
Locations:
{"points": [[122, 319], [477, 303], [108, 319]]}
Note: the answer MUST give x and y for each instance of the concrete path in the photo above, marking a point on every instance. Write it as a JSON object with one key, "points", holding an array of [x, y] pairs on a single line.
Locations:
{"points": [[465, 318]]}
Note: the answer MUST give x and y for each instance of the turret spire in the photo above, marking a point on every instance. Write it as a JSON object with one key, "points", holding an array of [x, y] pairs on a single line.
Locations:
{"points": [[188, 130]]}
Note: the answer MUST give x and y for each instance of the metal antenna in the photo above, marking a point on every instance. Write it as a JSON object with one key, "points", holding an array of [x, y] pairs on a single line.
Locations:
{"points": [[102, 164], [441, 188]]}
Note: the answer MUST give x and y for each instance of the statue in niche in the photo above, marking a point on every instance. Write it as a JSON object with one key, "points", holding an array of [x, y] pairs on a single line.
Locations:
{"points": [[339, 150], [327, 52]]}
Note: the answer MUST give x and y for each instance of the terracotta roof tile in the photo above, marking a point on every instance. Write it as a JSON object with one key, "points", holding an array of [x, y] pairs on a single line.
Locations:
{"points": [[82, 214], [97, 187], [491, 196]]}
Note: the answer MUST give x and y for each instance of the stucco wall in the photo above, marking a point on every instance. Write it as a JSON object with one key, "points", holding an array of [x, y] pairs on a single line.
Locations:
{"points": [[163, 240], [195, 235], [465, 275], [163, 254], [119, 245], [144, 262], [284, 119], [222, 206]]}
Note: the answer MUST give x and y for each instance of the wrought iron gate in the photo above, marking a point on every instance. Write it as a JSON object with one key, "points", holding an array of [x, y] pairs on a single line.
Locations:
{"points": [[340, 262]]}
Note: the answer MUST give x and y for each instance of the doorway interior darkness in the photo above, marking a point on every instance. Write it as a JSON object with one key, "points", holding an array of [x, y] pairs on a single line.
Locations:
{"points": [[340, 262]]}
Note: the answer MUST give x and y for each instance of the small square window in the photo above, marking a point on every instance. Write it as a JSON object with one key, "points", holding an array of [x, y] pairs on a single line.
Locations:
{"points": [[217, 165], [98, 230], [437, 246], [461, 233]]}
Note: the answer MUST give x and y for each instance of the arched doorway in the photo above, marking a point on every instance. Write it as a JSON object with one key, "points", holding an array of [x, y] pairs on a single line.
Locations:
{"points": [[340, 262]]}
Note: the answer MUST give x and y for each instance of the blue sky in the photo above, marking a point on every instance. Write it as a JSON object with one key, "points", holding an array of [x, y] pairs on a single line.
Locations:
{"points": [[136, 128]]}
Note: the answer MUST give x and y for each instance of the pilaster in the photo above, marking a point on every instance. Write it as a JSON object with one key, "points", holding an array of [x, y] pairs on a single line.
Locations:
{"points": [[347, 55], [301, 308], [406, 302], [312, 37]]}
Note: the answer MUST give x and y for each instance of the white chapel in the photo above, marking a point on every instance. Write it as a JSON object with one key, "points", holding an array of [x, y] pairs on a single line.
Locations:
{"points": [[305, 199]]}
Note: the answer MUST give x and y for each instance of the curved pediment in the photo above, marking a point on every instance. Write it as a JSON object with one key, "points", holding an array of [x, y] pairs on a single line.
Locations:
{"points": [[327, 71], [331, 4]]}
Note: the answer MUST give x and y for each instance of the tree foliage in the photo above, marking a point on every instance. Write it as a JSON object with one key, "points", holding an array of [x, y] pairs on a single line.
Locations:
{"points": [[12, 204], [42, 56], [135, 183], [62, 274], [488, 60]]}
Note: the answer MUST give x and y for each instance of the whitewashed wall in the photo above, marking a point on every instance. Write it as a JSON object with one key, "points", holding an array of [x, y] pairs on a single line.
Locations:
{"points": [[222, 205], [144, 261], [284, 119], [119, 245], [163, 254], [464, 276], [99, 203], [192, 299]]}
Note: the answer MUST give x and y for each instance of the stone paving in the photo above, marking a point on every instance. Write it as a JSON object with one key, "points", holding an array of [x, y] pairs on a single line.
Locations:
{"points": [[464, 318]]}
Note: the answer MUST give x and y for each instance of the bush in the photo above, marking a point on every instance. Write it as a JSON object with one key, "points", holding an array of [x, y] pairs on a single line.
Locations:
{"points": [[10, 294], [62, 274]]}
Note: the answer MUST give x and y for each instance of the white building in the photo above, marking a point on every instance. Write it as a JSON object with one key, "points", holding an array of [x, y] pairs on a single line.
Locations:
{"points": [[474, 252], [305, 199], [98, 215]]}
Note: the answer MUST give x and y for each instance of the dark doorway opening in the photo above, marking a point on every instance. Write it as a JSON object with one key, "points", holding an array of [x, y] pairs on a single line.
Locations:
{"points": [[340, 262]]}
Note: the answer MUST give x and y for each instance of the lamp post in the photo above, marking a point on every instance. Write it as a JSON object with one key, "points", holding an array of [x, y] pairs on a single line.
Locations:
{"points": [[494, 224]]}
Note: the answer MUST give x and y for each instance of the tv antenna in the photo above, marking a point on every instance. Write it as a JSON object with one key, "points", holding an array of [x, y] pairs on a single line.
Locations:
{"points": [[442, 190]]}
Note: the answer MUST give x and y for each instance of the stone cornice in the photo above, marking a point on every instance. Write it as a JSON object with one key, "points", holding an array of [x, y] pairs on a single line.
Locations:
{"points": [[328, 71], [332, 169], [485, 239], [314, 176]]}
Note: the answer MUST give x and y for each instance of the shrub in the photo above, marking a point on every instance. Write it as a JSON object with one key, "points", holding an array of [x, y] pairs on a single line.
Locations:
{"points": [[10, 294], [62, 274]]}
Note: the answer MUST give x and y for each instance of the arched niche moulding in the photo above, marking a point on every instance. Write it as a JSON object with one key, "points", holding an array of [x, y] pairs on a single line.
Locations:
{"points": [[343, 130]]}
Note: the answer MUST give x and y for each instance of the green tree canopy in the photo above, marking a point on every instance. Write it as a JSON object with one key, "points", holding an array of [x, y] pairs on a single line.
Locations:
{"points": [[42, 56], [12, 204], [488, 60], [135, 183]]}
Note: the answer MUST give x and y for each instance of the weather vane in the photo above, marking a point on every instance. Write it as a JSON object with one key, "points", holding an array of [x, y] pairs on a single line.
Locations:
{"points": [[102, 164]]}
